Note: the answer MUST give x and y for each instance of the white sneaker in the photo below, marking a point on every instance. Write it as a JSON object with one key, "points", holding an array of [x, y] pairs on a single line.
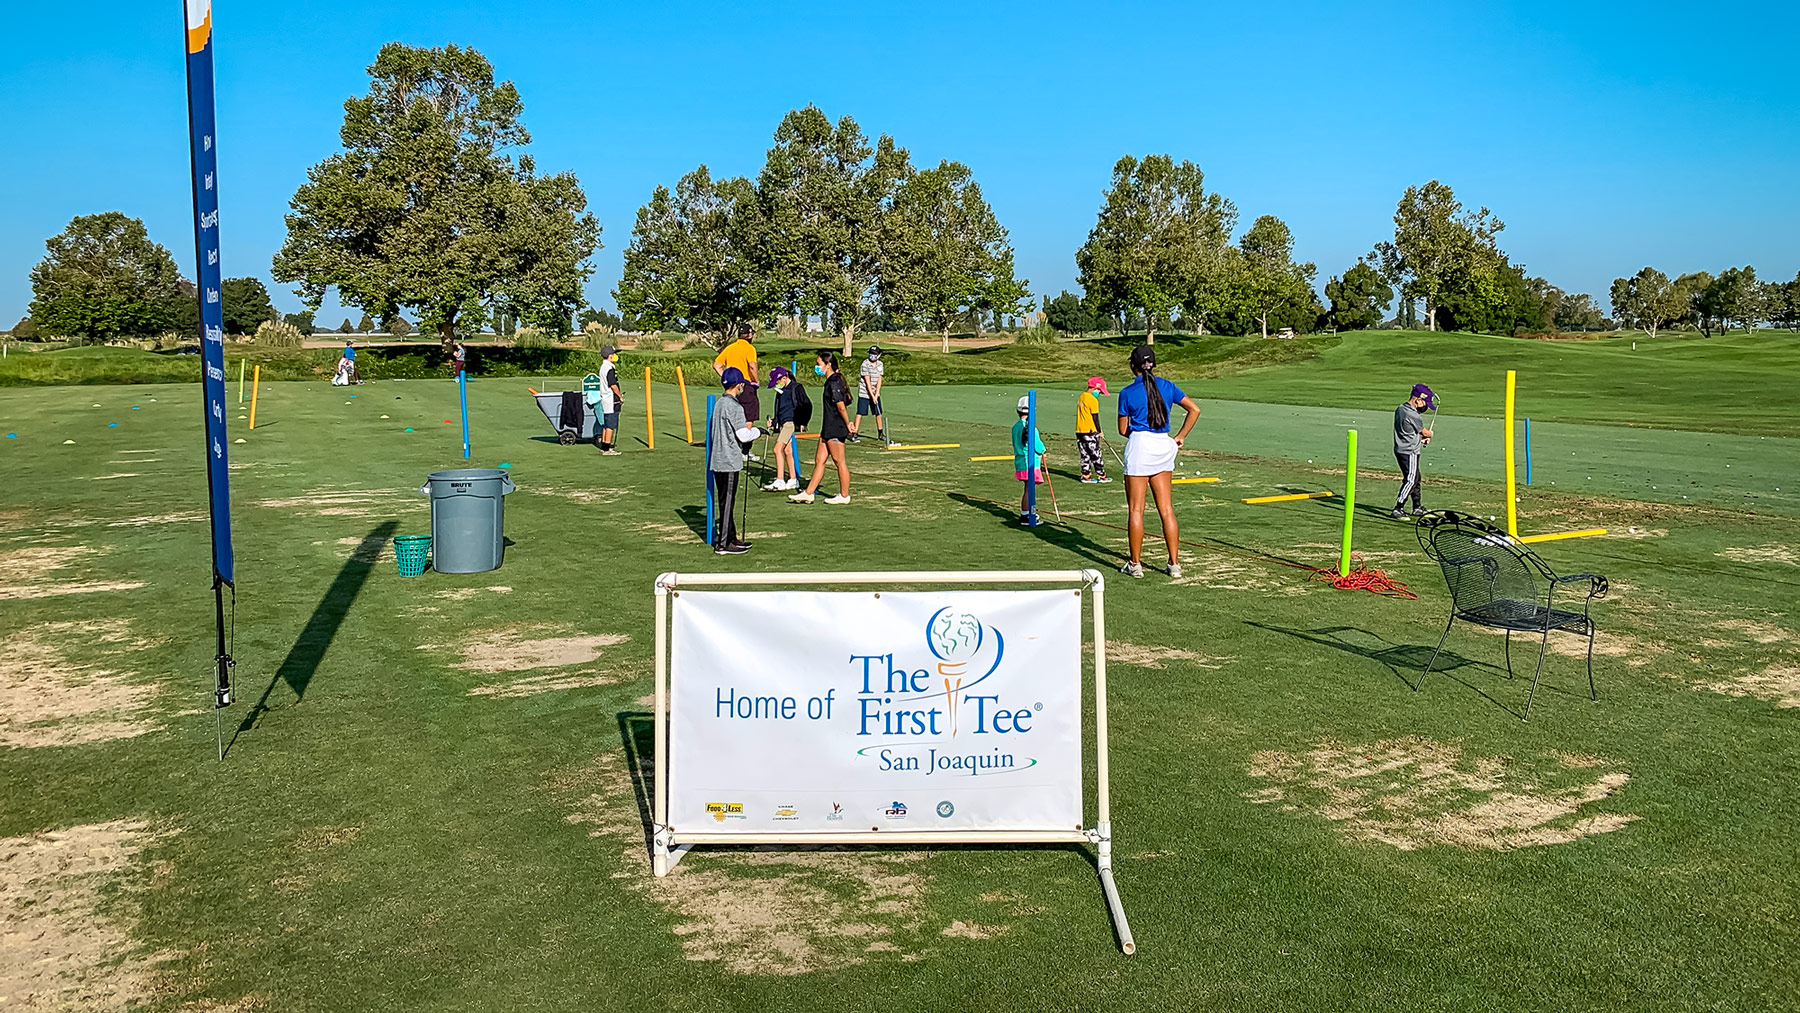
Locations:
{"points": [[837, 500], [792, 483], [1131, 569], [1174, 571], [774, 485], [801, 497]]}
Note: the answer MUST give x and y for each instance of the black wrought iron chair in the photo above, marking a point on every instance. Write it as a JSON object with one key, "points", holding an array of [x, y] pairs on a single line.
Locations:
{"points": [[1498, 582]]}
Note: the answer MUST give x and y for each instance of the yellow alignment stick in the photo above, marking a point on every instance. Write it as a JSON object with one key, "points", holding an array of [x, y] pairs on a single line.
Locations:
{"points": [[687, 421], [922, 446], [649, 421], [1557, 536], [1190, 481], [1289, 498], [994, 457]]}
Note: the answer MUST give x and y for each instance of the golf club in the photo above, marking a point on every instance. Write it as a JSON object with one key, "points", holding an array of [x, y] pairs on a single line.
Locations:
{"points": [[1052, 487]]}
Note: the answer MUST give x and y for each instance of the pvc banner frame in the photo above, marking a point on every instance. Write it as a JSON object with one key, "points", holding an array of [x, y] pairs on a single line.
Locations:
{"points": [[668, 844]]}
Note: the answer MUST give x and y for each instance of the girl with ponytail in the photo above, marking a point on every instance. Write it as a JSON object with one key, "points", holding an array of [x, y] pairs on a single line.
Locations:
{"points": [[1150, 453]]}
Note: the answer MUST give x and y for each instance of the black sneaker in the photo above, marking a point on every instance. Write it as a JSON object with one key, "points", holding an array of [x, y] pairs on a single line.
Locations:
{"points": [[1418, 511], [740, 545], [732, 549], [854, 439]]}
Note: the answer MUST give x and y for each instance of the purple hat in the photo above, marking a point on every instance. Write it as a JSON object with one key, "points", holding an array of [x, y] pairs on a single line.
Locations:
{"points": [[732, 377], [1420, 390], [778, 374]]}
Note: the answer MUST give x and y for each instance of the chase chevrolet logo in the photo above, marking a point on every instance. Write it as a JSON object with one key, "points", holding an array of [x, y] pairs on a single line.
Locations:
{"points": [[722, 811], [896, 811], [786, 813]]}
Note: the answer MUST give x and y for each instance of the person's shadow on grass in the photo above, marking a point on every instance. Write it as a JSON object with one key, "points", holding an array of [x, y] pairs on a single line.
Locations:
{"points": [[302, 660], [1059, 535]]}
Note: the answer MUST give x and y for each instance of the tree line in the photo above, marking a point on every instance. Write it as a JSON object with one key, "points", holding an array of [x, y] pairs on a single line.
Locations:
{"points": [[434, 208]]}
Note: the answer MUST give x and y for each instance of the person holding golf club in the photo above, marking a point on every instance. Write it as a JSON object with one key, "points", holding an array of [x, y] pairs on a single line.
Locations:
{"points": [[1024, 468], [832, 432], [1087, 432], [1410, 436], [730, 431], [1150, 453], [868, 395]]}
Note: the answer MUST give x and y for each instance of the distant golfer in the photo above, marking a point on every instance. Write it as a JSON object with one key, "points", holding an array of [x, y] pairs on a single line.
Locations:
{"points": [[741, 355], [1025, 469], [1150, 453], [611, 399], [1087, 432], [868, 395], [833, 431], [1410, 435], [730, 430]]}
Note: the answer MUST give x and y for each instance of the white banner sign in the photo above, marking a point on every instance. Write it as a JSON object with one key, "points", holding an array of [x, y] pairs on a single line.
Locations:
{"points": [[814, 711]]}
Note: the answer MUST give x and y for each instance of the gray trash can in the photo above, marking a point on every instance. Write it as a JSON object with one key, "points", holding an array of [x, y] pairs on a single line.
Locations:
{"points": [[468, 518]]}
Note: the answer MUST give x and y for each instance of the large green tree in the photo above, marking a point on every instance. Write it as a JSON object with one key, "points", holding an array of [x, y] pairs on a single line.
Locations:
{"points": [[944, 254], [1439, 248], [429, 209], [1159, 240], [102, 277], [1784, 307], [1273, 284], [1359, 300], [1647, 300], [1735, 295], [247, 305], [694, 263]]}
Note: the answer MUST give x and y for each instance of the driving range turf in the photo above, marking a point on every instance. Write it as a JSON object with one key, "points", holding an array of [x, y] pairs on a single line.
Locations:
{"points": [[433, 797]]}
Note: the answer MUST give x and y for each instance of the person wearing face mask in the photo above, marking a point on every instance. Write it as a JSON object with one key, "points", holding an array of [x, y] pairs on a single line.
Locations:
{"points": [[1410, 436], [832, 432], [868, 396]]}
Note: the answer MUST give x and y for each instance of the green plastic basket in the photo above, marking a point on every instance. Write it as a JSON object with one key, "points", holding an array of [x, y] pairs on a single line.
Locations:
{"points": [[410, 551]]}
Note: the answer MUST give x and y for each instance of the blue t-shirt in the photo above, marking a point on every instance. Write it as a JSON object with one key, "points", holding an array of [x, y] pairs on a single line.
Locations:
{"points": [[1134, 403], [350, 353]]}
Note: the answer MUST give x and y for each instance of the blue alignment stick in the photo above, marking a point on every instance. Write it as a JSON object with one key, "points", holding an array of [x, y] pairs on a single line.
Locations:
{"points": [[1031, 461], [710, 400]]}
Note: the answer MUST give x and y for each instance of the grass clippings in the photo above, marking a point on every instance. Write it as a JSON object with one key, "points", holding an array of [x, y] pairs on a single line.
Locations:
{"points": [[62, 949], [1416, 793], [47, 699]]}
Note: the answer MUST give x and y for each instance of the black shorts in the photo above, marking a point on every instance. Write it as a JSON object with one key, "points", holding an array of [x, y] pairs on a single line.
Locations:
{"points": [[865, 406]]}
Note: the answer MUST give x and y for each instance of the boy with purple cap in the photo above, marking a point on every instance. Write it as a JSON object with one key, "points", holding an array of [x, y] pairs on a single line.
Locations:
{"points": [[730, 433], [1410, 436]]}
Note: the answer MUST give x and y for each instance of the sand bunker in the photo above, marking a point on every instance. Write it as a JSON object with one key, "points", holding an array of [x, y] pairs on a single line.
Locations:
{"points": [[519, 649], [759, 912], [48, 700], [1775, 553], [1415, 793], [26, 573], [62, 948], [1122, 653]]}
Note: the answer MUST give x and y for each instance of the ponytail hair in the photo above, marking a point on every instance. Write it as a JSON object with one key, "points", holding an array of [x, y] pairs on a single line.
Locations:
{"points": [[1154, 406], [829, 359]]}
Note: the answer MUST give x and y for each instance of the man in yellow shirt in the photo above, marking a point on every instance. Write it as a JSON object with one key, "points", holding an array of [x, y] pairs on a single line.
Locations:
{"points": [[741, 356], [1087, 432]]}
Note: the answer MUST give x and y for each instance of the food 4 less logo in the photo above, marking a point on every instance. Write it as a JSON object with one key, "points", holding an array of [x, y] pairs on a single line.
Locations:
{"points": [[722, 811]]}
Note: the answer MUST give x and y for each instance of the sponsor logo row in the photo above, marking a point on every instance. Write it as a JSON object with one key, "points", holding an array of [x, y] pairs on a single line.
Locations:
{"points": [[896, 810]]}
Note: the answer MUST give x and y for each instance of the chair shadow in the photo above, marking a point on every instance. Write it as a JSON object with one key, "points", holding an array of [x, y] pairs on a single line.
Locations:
{"points": [[1060, 535], [1400, 659], [302, 661]]}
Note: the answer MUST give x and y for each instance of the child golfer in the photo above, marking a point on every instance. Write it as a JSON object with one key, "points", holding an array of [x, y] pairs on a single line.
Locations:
{"points": [[1087, 432], [868, 396], [730, 431], [782, 422], [1410, 436], [1022, 466]]}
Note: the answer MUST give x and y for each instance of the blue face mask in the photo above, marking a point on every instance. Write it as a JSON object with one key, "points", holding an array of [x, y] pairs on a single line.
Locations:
{"points": [[820, 370]]}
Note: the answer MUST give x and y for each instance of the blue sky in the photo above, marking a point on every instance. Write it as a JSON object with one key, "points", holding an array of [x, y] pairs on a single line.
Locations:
{"points": [[1607, 135]]}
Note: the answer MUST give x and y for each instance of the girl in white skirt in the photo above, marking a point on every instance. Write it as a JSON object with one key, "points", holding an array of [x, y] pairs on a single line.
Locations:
{"points": [[1150, 452]]}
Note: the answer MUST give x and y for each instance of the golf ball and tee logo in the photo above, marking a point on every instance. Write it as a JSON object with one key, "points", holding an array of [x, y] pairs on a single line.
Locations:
{"points": [[819, 711]]}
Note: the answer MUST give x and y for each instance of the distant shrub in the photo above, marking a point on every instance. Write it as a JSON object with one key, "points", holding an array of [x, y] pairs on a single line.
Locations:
{"points": [[278, 334], [1040, 334], [649, 343], [787, 328], [699, 339], [26, 330], [532, 337]]}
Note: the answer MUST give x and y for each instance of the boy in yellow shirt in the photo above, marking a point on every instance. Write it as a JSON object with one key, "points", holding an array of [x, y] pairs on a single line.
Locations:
{"points": [[1087, 433]]}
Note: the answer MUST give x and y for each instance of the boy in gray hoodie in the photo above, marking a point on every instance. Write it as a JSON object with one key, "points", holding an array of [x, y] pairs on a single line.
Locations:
{"points": [[730, 433], [1410, 437]]}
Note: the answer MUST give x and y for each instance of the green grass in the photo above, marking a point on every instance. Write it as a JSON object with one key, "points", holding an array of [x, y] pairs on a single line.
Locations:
{"points": [[468, 886]]}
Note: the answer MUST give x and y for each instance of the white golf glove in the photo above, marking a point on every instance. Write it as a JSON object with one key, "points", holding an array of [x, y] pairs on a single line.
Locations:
{"points": [[749, 434]]}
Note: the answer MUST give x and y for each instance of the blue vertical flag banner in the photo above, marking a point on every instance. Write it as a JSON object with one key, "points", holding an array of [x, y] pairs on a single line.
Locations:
{"points": [[206, 252]]}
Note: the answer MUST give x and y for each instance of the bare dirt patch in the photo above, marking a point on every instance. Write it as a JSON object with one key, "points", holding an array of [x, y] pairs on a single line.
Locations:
{"points": [[27, 572], [1779, 684], [534, 685], [664, 532], [970, 930], [108, 478], [62, 948], [48, 699], [465, 593], [773, 912], [1158, 657], [1758, 632], [1225, 573], [591, 497], [364, 550], [145, 521], [350, 503], [522, 648], [1416, 793], [1776, 553]]}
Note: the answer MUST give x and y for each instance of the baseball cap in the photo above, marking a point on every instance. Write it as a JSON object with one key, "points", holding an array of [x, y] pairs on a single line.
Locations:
{"points": [[1420, 390], [778, 374], [1025, 403], [606, 350], [745, 330], [874, 349], [1143, 355], [1097, 383], [731, 377]]}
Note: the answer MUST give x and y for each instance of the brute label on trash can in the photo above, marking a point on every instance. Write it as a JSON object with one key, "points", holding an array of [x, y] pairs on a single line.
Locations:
{"points": [[468, 518]]}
